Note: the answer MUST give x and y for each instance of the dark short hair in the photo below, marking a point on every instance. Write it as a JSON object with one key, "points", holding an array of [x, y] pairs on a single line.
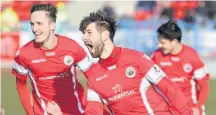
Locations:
{"points": [[49, 8], [170, 30], [103, 20]]}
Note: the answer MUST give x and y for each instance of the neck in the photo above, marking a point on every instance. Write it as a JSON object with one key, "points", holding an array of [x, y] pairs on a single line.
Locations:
{"points": [[107, 50], [177, 49], [50, 42]]}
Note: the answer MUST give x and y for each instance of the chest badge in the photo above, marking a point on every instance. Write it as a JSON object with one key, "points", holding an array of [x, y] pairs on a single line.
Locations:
{"points": [[187, 67], [68, 60], [130, 72]]}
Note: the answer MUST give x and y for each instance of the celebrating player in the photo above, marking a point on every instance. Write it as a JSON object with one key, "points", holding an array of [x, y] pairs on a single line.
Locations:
{"points": [[129, 82], [182, 64], [49, 61]]}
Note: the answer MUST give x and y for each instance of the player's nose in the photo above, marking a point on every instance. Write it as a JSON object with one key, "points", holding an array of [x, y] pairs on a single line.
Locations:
{"points": [[84, 37], [159, 45]]}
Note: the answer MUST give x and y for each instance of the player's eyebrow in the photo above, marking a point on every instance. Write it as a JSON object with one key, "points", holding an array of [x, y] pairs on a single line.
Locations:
{"points": [[87, 30]]}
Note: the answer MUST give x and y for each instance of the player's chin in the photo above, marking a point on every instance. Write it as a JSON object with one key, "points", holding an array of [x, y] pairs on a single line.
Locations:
{"points": [[93, 54], [165, 52], [39, 39]]}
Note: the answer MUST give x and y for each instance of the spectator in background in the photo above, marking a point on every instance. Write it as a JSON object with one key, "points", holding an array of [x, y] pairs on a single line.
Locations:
{"points": [[202, 13], [108, 8], [211, 5], [167, 10], [144, 10]]}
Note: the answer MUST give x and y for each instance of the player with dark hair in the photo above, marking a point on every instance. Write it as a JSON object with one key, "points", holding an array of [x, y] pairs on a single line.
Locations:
{"points": [[49, 61], [128, 81], [182, 64]]}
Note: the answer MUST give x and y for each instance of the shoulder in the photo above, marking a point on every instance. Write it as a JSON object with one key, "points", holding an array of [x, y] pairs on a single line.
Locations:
{"points": [[28, 48], [134, 56], [68, 42], [157, 52], [189, 50]]}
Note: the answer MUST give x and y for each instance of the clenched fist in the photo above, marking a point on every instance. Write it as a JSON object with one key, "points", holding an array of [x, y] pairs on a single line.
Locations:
{"points": [[53, 108]]}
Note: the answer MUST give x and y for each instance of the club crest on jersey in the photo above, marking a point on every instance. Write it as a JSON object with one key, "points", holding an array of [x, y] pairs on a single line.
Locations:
{"points": [[187, 67], [130, 72], [68, 60]]}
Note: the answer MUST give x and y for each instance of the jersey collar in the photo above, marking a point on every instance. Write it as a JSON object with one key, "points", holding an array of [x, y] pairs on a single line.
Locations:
{"points": [[112, 59]]}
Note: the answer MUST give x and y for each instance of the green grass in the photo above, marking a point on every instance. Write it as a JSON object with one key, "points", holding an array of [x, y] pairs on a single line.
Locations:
{"points": [[12, 105]]}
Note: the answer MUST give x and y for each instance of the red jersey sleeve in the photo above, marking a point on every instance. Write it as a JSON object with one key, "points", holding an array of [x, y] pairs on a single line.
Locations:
{"points": [[199, 68], [201, 76], [94, 105], [157, 77], [19, 67]]}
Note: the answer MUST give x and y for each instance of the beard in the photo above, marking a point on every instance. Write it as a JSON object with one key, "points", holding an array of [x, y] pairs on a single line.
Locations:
{"points": [[98, 47]]}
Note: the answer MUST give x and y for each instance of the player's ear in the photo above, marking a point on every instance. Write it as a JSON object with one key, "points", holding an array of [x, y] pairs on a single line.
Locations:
{"points": [[105, 35], [53, 26]]}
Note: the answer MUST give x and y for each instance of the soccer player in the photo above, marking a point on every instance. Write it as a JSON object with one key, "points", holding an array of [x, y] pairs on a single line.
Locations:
{"points": [[182, 64], [49, 61], [128, 81]]}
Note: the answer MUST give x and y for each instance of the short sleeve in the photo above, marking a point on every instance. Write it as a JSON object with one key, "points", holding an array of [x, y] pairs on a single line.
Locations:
{"points": [[19, 67], [200, 70]]}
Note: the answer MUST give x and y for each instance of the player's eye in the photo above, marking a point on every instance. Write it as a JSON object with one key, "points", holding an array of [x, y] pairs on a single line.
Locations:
{"points": [[39, 23]]}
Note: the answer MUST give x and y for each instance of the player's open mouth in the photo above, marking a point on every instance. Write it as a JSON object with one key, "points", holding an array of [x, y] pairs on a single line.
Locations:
{"points": [[37, 34], [89, 46]]}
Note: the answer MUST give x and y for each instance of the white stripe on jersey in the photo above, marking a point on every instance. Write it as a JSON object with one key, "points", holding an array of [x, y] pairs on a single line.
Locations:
{"points": [[75, 91], [85, 64], [43, 105], [155, 74], [143, 88], [200, 73], [93, 96], [19, 68], [193, 91], [203, 110]]}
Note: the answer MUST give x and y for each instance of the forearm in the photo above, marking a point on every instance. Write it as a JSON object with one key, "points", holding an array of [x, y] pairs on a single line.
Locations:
{"points": [[203, 94], [24, 95], [174, 95], [94, 108]]}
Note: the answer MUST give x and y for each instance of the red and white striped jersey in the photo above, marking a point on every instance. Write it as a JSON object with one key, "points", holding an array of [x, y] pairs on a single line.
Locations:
{"points": [[130, 83], [53, 74], [186, 69]]}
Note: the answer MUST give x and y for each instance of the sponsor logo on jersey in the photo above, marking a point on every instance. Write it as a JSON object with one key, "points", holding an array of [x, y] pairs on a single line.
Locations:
{"points": [[175, 59], [178, 79], [68, 60], [61, 75], [130, 72], [165, 63], [102, 77], [50, 53], [117, 88], [187, 67], [39, 60], [122, 95]]}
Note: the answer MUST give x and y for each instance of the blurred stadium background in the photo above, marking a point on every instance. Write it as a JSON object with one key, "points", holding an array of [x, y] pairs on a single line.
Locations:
{"points": [[137, 24]]}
